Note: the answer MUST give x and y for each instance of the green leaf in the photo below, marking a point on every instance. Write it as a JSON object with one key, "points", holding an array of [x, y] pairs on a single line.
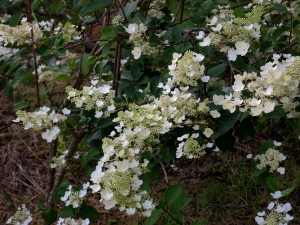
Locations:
{"points": [[3, 3], [66, 211], [276, 35], [89, 155], [108, 32], [9, 89], [21, 105], [62, 78], [266, 145], [271, 183], [104, 122], [94, 134], [226, 122], [60, 191], [278, 112], [135, 70], [87, 63], [217, 70], [288, 191], [207, 6], [279, 7], [35, 4], [96, 5], [3, 83], [155, 215], [50, 216], [128, 9], [87, 211], [171, 195], [15, 19], [246, 130], [41, 206], [58, 68]]}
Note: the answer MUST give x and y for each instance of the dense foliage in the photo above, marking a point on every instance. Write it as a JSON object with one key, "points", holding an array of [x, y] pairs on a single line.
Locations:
{"points": [[128, 87]]}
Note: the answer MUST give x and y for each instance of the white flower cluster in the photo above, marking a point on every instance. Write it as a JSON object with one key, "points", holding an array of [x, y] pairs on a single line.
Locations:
{"points": [[71, 221], [4, 18], [186, 69], [277, 84], [39, 120], [228, 30], [278, 212], [75, 198], [93, 97], [155, 8], [46, 25], [6, 53], [68, 31], [138, 37], [271, 160], [20, 34], [118, 183], [59, 161], [21, 217], [117, 20]]}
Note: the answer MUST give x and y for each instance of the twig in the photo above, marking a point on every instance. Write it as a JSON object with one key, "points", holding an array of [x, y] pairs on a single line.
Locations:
{"points": [[164, 171], [117, 66], [51, 170], [279, 51], [182, 10]]}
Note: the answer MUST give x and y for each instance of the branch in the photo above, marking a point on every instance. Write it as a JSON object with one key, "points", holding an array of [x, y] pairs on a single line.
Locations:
{"points": [[59, 175]]}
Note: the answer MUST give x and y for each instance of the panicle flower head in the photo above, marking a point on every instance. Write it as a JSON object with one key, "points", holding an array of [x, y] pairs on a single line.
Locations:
{"points": [[21, 217]]}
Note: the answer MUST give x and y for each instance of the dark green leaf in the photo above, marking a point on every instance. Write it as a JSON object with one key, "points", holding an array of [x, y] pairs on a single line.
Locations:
{"points": [[288, 191], [207, 6], [271, 183], [279, 7], [94, 134], [3, 3], [60, 191], [108, 32], [128, 9], [278, 112], [41, 206], [35, 4], [276, 35], [96, 5], [171, 195], [66, 211], [21, 105], [226, 122], [50, 216], [58, 68], [155, 215], [15, 19], [9, 89], [217, 70], [104, 122], [87, 211], [266, 145], [62, 78], [245, 131], [89, 155]]}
